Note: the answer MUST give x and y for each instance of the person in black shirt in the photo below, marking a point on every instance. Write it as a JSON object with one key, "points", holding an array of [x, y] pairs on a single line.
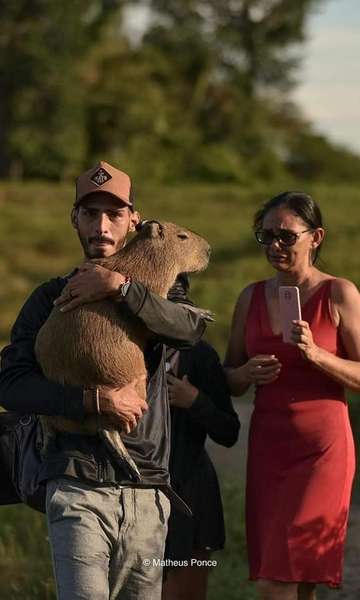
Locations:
{"points": [[107, 533], [200, 406]]}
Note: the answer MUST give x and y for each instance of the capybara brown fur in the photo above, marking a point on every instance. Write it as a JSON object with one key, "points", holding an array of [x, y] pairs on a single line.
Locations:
{"points": [[101, 343]]}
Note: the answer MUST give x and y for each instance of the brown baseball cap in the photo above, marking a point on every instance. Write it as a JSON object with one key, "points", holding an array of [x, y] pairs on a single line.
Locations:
{"points": [[105, 178]]}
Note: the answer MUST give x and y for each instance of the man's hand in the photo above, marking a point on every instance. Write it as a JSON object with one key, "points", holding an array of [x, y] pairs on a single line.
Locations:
{"points": [[92, 282], [181, 392], [123, 406]]}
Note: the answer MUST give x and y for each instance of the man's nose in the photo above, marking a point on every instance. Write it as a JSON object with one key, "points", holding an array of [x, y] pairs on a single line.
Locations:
{"points": [[102, 223]]}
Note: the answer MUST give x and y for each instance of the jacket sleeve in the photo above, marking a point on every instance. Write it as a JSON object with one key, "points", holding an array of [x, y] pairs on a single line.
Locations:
{"points": [[23, 387], [213, 409], [172, 323]]}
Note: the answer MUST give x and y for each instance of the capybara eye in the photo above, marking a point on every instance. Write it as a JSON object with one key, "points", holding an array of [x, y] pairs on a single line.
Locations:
{"points": [[183, 235]]}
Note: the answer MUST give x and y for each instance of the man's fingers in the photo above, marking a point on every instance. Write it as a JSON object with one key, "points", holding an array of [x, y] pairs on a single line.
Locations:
{"points": [[143, 407], [60, 300], [134, 382], [171, 378], [74, 303], [86, 266], [65, 296], [127, 427]]}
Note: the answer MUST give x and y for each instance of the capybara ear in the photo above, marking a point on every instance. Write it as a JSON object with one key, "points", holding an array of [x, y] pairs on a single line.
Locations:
{"points": [[153, 228], [156, 229]]}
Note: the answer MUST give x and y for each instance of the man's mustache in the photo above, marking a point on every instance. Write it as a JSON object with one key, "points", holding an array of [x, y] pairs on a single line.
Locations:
{"points": [[101, 239]]}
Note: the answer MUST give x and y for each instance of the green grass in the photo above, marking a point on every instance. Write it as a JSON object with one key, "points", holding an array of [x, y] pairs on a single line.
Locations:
{"points": [[25, 567], [37, 242]]}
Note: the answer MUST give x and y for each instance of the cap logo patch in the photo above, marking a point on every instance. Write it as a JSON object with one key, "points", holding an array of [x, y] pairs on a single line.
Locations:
{"points": [[100, 177]]}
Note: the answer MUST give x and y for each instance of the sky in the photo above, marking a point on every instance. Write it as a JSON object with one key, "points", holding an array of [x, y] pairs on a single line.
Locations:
{"points": [[329, 80]]}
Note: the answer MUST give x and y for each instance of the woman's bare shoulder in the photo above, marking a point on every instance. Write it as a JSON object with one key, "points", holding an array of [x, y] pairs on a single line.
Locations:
{"points": [[246, 293], [343, 290], [245, 296]]}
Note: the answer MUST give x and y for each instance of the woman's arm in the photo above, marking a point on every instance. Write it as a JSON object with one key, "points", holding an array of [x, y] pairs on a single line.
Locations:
{"points": [[240, 370], [236, 358], [345, 300]]}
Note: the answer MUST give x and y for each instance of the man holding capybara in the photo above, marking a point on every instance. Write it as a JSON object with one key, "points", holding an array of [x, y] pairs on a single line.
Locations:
{"points": [[107, 533]]}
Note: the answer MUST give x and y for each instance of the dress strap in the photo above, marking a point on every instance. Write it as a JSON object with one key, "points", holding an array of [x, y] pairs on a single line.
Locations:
{"points": [[257, 308]]}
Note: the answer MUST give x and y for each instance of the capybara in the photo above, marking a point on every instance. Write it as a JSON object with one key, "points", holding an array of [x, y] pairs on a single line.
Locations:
{"points": [[100, 343]]}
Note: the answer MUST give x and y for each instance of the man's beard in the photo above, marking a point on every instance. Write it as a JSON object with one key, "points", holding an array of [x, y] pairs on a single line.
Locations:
{"points": [[92, 251]]}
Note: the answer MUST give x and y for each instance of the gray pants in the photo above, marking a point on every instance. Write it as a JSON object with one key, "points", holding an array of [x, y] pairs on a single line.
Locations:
{"points": [[106, 541]]}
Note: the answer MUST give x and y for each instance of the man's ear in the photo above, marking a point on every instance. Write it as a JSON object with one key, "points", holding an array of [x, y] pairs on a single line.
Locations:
{"points": [[134, 220], [74, 218]]}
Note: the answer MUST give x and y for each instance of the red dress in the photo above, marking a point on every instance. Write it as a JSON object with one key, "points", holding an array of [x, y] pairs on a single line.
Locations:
{"points": [[301, 455]]}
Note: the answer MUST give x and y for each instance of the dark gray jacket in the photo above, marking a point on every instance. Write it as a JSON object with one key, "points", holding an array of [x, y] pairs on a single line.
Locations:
{"points": [[24, 389]]}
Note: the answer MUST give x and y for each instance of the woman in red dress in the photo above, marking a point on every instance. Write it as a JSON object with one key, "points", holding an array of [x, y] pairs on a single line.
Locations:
{"points": [[301, 453]]}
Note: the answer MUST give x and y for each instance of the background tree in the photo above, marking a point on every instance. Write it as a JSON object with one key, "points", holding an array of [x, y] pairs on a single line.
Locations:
{"points": [[203, 94], [42, 98]]}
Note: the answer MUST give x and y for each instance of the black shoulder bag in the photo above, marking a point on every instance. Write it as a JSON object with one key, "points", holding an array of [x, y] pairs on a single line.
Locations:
{"points": [[21, 441]]}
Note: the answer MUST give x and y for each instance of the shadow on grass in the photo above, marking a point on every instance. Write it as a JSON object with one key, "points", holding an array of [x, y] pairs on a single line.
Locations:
{"points": [[229, 579]]}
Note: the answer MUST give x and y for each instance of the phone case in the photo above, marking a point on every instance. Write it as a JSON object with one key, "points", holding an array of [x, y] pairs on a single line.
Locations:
{"points": [[290, 309]]}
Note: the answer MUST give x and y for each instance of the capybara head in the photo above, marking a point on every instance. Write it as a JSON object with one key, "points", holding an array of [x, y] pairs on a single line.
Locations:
{"points": [[189, 250], [159, 252]]}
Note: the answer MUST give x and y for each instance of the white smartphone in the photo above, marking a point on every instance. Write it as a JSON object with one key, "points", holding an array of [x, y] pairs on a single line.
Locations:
{"points": [[290, 309]]}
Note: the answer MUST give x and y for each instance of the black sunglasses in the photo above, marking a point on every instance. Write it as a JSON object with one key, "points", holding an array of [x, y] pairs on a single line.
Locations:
{"points": [[285, 237]]}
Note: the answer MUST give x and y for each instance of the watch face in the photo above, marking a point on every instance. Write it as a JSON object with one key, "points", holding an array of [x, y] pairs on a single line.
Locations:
{"points": [[125, 287]]}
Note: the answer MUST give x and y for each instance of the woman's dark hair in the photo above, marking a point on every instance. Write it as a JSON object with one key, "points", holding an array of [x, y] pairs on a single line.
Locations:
{"points": [[299, 203]]}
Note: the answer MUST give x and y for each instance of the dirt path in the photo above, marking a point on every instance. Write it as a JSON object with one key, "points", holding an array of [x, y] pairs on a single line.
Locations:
{"points": [[233, 460]]}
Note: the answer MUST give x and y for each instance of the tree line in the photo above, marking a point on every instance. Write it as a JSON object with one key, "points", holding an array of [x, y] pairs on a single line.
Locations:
{"points": [[202, 93]]}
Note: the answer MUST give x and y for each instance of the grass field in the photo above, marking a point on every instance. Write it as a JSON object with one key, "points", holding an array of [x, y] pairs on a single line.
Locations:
{"points": [[37, 242]]}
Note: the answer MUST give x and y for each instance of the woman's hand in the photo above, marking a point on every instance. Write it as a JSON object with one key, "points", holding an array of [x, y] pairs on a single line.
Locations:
{"points": [[262, 369], [303, 338], [259, 370], [181, 392]]}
